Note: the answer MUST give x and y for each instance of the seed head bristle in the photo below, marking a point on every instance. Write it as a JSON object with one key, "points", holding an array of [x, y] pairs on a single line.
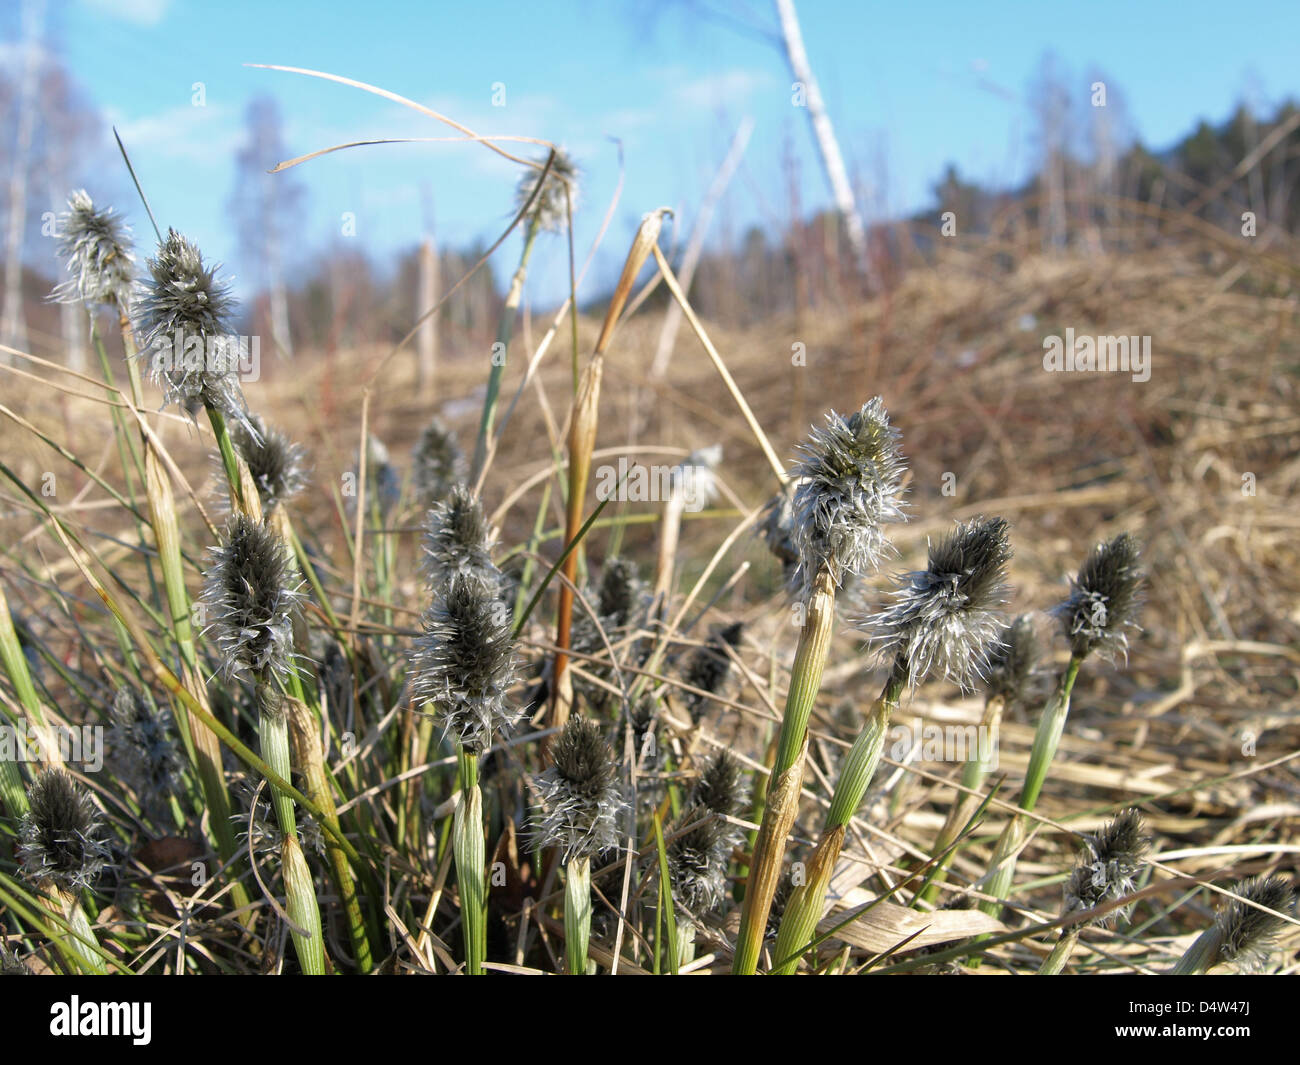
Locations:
{"points": [[252, 593], [695, 478], [709, 666], [945, 618], [777, 529], [60, 835], [549, 212], [1247, 935], [850, 484], [183, 319], [1012, 659], [457, 540], [621, 591], [145, 736], [275, 461], [1106, 870], [383, 484], [1104, 599], [721, 787], [96, 246], [463, 663], [580, 794], [437, 464]]}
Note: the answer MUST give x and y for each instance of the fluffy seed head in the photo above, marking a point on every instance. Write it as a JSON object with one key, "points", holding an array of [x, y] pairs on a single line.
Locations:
{"points": [[698, 859], [1103, 600], [945, 617], [708, 667], [777, 529], [580, 794], [437, 464], [1246, 934], [851, 484], [274, 460], [183, 319], [457, 541], [620, 591], [383, 485], [695, 479], [60, 834], [96, 247], [721, 787], [464, 662], [1106, 869], [1012, 659], [145, 738], [550, 210], [252, 595]]}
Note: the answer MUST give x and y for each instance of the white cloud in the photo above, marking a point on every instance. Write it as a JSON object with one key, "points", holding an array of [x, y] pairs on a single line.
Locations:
{"points": [[137, 12], [728, 87], [193, 134]]}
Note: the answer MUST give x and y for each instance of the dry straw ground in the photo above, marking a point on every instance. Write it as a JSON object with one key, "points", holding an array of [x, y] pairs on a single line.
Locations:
{"points": [[1201, 462]]}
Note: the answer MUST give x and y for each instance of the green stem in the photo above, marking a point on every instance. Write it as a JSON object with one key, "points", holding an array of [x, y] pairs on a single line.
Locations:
{"points": [[470, 851], [577, 914], [787, 772], [505, 331]]}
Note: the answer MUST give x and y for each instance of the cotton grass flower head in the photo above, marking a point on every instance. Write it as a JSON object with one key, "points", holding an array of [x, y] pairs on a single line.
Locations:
{"points": [[945, 618], [437, 463], [463, 662], [383, 484], [850, 485], [1011, 660], [698, 858], [709, 666], [1103, 602], [60, 835], [1108, 866], [580, 794], [776, 526], [184, 317], [95, 244], [457, 540], [1247, 935], [550, 211], [144, 738], [275, 461], [252, 594], [622, 592], [695, 479]]}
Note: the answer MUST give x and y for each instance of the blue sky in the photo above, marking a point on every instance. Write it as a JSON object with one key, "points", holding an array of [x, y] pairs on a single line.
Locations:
{"points": [[909, 86]]}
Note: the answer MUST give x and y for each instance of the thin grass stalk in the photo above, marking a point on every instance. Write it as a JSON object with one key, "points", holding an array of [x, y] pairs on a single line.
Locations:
{"points": [[300, 889], [471, 860], [577, 914], [1202, 955], [505, 333], [973, 775], [1061, 952], [1051, 725], [787, 772], [804, 909], [583, 424], [317, 787], [83, 941]]}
